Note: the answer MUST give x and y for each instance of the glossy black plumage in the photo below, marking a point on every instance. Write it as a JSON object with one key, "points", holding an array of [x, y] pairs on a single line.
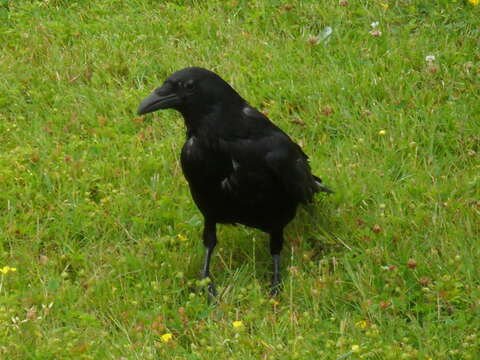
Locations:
{"points": [[241, 168]]}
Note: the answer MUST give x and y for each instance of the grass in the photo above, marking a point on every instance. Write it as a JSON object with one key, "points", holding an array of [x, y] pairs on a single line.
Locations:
{"points": [[103, 236]]}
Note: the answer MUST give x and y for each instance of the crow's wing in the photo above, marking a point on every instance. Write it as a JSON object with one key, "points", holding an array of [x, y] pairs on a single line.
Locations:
{"points": [[291, 168], [264, 158]]}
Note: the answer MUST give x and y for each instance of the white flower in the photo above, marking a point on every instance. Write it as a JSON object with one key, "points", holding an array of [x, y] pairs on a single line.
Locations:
{"points": [[374, 24], [325, 34], [430, 58]]}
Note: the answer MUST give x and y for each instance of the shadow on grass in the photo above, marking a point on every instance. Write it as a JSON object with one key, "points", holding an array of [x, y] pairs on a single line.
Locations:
{"points": [[242, 253]]}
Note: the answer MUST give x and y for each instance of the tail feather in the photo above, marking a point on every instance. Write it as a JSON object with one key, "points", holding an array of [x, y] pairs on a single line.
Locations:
{"points": [[322, 187]]}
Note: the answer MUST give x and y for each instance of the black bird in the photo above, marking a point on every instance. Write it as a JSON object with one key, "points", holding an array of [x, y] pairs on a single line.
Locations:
{"points": [[241, 168]]}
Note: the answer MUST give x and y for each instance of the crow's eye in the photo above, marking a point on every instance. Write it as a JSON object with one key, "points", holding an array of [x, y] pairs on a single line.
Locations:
{"points": [[189, 85]]}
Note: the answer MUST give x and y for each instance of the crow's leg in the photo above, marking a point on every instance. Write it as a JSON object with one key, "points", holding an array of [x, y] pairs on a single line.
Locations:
{"points": [[209, 241], [276, 243]]}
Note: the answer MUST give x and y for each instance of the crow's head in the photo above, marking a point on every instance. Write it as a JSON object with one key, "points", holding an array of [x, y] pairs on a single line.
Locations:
{"points": [[190, 90]]}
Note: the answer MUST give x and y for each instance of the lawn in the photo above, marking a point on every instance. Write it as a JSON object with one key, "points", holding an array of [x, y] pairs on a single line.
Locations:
{"points": [[100, 241]]}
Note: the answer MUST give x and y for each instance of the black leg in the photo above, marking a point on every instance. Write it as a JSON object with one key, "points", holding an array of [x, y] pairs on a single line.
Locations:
{"points": [[209, 241], [276, 244], [277, 279]]}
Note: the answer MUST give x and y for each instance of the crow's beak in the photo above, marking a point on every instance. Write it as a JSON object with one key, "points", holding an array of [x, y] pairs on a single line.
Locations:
{"points": [[161, 98]]}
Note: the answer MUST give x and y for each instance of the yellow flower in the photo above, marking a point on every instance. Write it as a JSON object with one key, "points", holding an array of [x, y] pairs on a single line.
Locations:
{"points": [[6, 269], [474, 2], [182, 237], [166, 337], [362, 324], [237, 324], [274, 302], [382, 132], [355, 348]]}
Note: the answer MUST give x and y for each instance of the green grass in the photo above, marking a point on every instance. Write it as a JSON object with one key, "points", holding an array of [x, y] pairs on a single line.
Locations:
{"points": [[98, 221]]}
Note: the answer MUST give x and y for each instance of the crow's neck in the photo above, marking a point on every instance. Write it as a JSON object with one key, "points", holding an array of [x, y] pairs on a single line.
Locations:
{"points": [[197, 119]]}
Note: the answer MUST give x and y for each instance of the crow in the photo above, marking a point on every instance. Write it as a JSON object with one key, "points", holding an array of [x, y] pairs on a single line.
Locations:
{"points": [[240, 167]]}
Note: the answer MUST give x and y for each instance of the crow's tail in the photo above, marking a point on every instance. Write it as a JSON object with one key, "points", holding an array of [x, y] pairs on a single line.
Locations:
{"points": [[320, 185]]}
